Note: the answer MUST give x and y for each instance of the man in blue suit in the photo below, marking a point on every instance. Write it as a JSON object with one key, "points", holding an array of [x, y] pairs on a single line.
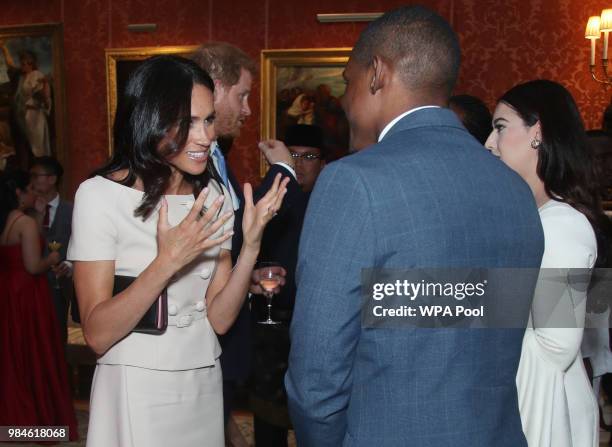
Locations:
{"points": [[423, 193]]}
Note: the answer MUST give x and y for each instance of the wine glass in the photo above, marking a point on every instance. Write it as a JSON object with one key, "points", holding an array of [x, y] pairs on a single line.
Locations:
{"points": [[269, 279], [55, 246]]}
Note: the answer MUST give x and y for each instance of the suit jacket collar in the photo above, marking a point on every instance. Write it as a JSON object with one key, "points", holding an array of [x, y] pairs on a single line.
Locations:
{"points": [[426, 118], [235, 184]]}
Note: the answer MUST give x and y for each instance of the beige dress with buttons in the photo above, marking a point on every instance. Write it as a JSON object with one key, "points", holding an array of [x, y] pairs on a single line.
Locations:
{"points": [[152, 390]]}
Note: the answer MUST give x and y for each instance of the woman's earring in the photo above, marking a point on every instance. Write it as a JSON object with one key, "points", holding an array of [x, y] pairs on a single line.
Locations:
{"points": [[535, 143]]}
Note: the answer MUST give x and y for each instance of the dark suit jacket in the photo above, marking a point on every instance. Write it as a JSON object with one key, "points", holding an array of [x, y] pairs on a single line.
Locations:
{"points": [[60, 231], [427, 195], [235, 359]]}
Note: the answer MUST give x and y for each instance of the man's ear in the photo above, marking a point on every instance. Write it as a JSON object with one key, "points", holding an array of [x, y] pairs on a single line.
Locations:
{"points": [[379, 73]]}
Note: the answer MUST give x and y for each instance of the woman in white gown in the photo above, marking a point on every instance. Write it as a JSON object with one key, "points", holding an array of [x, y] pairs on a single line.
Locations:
{"points": [[538, 132], [156, 212]]}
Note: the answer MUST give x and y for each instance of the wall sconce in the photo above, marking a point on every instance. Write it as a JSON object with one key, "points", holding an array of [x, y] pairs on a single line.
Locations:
{"points": [[595, 26]]}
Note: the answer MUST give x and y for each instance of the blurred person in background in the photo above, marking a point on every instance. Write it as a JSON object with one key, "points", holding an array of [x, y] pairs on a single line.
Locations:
{"points": [[474, 114], [33, 379]]}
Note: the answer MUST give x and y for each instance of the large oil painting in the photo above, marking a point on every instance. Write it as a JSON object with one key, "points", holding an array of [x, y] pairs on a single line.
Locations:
{"points": [[304, 87], [31, 94]]}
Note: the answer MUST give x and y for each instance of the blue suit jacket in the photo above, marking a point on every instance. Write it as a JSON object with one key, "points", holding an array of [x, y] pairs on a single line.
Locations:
{"points": [[427, 195]]}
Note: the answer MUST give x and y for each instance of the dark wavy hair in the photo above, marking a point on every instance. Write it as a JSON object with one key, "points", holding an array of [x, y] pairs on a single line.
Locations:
{"points": [[152, 123], [565, 161], [10, 182]]}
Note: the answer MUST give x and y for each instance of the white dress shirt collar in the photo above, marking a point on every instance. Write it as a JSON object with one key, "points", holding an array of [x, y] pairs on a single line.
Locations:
{"points": [[397, 118]]}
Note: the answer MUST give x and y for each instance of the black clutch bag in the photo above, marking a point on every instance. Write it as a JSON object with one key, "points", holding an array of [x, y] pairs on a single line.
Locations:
{"points": [[154, 321]]}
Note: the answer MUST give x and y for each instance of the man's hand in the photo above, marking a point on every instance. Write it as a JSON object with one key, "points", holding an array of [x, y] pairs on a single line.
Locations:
{"points": [[63, 269], [256, 289], [275, 151], [40, 205]]}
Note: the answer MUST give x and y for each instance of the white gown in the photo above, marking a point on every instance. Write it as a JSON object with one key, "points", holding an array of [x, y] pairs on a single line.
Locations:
{"points": [[33, 112], [152, 390], [557, 405]]}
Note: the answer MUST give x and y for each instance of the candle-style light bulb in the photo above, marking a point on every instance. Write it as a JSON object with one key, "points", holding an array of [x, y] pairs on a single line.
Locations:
{"points": [[605, 26], [592, 33]]}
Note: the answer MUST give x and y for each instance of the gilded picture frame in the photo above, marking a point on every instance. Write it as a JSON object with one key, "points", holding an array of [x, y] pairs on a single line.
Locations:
{"points": [[120, 63], [304, 86], [32, 95]]}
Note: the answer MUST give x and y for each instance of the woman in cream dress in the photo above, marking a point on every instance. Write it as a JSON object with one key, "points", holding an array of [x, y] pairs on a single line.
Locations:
{"points": [[157, 212], [538, 132]]}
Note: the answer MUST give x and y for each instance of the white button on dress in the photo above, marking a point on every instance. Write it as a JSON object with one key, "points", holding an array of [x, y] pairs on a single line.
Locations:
{"points": [[172, 309]]}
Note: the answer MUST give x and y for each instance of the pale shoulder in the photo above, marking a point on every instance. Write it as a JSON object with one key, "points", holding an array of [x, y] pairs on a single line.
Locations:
{"points": [[568, 237], [24, 223]]}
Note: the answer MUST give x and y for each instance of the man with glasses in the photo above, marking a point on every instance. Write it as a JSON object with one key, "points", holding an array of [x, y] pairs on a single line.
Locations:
{"points": [[46, 173], [280, 243]]}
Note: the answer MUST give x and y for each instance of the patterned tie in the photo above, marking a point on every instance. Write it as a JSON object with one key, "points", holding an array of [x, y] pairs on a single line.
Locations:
{"points": [[218, 156]]}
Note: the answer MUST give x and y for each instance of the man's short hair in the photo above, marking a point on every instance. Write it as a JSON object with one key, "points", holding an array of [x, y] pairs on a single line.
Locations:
{"points": [[474, 114], [422, 46], [223, 62], [50, 165]]}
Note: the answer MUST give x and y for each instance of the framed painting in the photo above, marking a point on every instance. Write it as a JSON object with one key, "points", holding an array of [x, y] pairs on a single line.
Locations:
{"points": [[120, 63], [32, 113], [304, 87]]}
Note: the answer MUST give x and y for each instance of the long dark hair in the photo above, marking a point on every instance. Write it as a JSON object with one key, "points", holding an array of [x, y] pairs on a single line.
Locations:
{"points": [[565, 161], [152, 123], [10, 182]]}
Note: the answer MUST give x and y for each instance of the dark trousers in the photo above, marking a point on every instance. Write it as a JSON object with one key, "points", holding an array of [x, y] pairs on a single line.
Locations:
{"points": [[60, 303], [229, 390], [268, 435]]}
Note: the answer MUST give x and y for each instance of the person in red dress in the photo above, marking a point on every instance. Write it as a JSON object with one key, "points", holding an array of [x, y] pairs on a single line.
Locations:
{"points": [[34, 388]]}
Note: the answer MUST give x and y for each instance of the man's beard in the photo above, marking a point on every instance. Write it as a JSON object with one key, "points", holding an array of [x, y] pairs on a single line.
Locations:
{"points": [[227, 128]]}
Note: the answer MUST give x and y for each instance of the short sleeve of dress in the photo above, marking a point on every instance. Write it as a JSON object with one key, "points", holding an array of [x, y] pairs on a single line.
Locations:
{"points": [[94, 232], [229, 225]]}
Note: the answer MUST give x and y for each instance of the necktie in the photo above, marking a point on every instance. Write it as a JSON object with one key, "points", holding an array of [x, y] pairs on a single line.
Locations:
{"points": [[47, 216], [218, 156]]}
